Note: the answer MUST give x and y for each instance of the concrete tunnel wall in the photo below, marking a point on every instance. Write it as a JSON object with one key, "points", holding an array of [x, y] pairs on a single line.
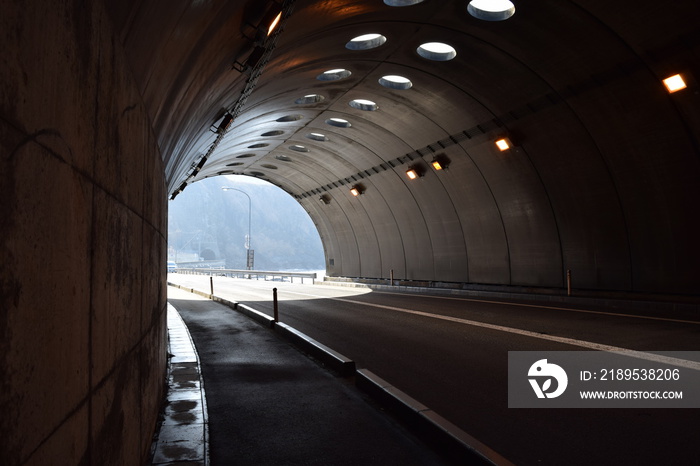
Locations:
{"points": [[83, 241]]}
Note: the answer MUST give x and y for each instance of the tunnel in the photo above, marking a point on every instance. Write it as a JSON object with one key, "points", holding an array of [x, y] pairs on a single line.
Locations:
{"points": [[529, 146]]}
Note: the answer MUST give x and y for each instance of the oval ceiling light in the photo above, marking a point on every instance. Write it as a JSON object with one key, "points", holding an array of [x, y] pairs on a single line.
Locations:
{"points": [[363, 104], [366, 42], [334, 75], [395, 82], [269, 166], [245, 156], [298, 148], [402, 2], [491, 10], [317, 137], [283, 158], [272, 133], [437, 51], [338, 122], [234, 164], [289, 118], [309, 99], [258, 146]]}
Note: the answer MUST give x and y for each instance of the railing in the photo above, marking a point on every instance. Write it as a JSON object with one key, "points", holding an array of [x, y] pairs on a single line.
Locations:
{"points": [[266, 275]]}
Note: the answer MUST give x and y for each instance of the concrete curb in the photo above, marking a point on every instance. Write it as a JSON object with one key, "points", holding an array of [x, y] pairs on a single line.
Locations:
{"points": [[433, 428], [338, 363]]}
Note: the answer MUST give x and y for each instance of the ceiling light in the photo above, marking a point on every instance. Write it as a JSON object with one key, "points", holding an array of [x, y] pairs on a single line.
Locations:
{"points": [[366, 42], [310, 99], [675, 83], [317, 136], [338, 122], [437, 51], [402, 2], [395, 82], [491, 10], [415, 171], [357, 190], [364, 104], [326, 199], [440, 162], [275, 22], [334, 75], [504, 144]]}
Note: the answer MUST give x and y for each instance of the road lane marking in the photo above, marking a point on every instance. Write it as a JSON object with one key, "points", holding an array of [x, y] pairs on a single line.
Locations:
{"points": [[567, 341], [537, 306]]}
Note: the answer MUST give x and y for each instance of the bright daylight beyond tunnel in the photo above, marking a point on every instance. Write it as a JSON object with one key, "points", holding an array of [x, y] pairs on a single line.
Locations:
{"points": [[216, 221]]}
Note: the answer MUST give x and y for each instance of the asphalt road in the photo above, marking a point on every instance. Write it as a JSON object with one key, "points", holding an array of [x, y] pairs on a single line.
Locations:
{"points": [[451, 354]]}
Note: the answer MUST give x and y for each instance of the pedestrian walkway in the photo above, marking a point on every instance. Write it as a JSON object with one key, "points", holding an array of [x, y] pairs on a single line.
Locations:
{"points": [[183, 432], [269, 404]]}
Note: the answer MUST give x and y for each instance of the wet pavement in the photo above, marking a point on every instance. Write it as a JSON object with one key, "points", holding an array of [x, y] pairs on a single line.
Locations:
{"points": [[265, 402], [183, 433]]}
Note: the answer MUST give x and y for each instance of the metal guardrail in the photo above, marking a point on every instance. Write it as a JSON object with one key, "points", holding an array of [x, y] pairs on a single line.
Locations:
{"points": [[265, 274]]}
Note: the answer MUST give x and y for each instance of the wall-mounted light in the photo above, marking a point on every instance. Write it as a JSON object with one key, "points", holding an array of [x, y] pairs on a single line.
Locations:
{"points": [[504, 144], [357, 189], [272, 25], [326, 199], [675, 83], [415, 171], [440, 162]]}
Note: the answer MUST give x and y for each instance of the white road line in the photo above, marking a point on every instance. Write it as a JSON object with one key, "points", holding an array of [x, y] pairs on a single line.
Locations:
{"points": [[567, 341], [505, 303]]}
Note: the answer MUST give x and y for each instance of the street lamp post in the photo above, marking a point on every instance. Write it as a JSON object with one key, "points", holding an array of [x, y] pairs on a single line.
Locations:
{"points": [[249, 239]]}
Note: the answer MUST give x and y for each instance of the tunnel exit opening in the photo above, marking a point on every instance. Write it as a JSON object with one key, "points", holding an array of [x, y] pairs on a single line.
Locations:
{"points": [[242, 222]]}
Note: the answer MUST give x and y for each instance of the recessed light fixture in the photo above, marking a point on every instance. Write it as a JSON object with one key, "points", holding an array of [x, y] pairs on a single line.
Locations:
{"points": [[491, 10], [395, 82], [338, 122], [298, 148], [272, 133], [326, 199], [366, 42], [310, 99], [675, 83], [288, 118], [402, 2], [334, 75], [412, 174], [437, 51], [504, 144], [356, 190], [364, 104], [317, 137]]}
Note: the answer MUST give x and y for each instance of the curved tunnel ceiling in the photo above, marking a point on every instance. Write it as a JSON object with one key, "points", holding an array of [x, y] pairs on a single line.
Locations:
{"points": [[601, 178]]}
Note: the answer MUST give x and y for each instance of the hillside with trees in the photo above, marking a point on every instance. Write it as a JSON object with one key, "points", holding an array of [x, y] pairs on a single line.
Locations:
{"points": [[208, 223]]}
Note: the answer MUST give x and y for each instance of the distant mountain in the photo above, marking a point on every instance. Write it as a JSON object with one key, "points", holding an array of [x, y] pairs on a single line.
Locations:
{"points": [[208, 223]]}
